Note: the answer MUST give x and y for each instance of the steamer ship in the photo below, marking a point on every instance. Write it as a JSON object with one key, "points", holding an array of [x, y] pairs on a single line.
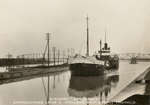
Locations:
{"points": [[86, 65]]}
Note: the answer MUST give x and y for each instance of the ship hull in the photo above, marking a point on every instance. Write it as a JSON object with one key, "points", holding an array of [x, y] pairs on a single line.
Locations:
{"points": [[113, 64], [84, 69], [110, 62]]}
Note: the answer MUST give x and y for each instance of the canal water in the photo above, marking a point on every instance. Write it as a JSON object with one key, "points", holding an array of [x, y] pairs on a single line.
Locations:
{"points": [[66, 89]]}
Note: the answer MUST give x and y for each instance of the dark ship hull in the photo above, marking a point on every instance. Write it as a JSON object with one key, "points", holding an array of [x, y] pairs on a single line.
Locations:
{"points": [[113, 63], [83, 69], [110, 62]]}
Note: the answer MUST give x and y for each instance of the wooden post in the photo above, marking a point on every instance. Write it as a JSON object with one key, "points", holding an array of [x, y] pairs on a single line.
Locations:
{"points": [[37, 56], [68, 54], [54, 55], [23, 59], [43, 58], [63, 56], [72, 52], [32, 58], [58, 56]]}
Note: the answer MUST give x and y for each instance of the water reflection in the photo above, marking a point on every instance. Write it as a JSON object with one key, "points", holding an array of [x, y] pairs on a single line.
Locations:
{"points": [[104, 86], [92, 86]]}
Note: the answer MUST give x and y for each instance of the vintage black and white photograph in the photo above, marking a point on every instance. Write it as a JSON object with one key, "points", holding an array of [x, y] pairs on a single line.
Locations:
{"points": [[74, 52]]}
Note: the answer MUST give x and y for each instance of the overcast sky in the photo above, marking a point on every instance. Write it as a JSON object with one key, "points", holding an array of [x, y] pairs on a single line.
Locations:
{"points": [[23, 24]]}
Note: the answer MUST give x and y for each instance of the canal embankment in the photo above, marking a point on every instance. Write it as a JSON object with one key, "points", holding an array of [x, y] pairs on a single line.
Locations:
{"points": [[137, 86], [21, 72]]}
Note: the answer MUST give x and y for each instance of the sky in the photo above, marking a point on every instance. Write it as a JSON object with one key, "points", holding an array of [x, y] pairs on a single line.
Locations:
{"points": [[23, 24]]}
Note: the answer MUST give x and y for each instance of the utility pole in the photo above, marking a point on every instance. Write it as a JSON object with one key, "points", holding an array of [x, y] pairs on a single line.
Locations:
{"points": [[48, 38]]}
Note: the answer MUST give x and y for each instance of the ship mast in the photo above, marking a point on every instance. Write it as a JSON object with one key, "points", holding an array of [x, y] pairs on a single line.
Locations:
{"points": [[87, 52]]}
